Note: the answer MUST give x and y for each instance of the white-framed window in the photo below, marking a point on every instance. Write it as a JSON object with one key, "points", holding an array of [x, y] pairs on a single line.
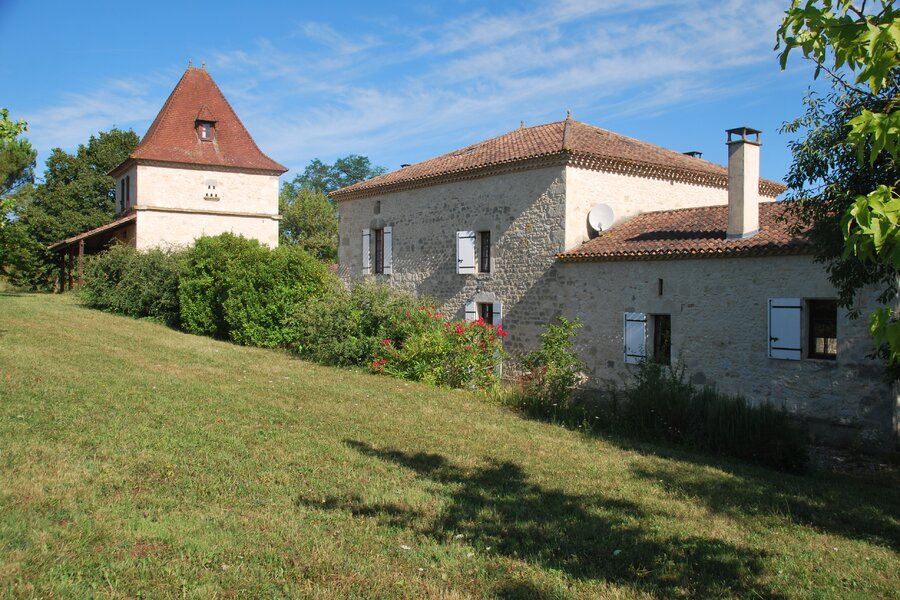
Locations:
{"points": [[491, 312], [635, 337], [205, 130], [465, 252], [378, 242], [789, 318]]}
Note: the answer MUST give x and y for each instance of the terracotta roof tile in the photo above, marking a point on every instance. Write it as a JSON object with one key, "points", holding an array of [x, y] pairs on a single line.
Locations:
{"points": [[573, 142], [691, 233], [172, 137]]}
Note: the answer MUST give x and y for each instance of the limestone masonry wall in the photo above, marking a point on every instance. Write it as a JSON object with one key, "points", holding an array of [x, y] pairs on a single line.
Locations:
{"points": [[628, 196], [173, 230], [525, 213], [719, 320], [188, 187]]}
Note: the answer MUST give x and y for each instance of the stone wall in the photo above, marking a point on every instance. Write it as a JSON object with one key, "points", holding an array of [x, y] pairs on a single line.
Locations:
{"points": [[627, 195], [158, 228], [190, 188], [525, 213], [719, 319]]}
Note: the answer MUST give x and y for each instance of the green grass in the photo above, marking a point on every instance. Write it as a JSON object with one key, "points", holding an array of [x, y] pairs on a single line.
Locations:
{"points": [[138, 461]]}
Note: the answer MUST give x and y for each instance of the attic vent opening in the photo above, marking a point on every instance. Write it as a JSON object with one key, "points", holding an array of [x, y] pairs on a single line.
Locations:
{"points": [[468, 150], [205, 130]]}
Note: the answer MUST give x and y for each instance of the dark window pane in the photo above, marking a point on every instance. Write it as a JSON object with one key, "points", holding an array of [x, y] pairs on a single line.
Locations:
{"points": [[822, 328], [486, 312], [662, 339], [484, 256], [379, 250]]}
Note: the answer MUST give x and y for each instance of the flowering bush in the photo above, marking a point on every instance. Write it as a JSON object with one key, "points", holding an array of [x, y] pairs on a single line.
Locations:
{"points": [[438, 351]]}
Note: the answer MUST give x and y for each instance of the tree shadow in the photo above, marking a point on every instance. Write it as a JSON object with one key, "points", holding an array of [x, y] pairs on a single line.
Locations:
{"points": [[836, 504], [496, 508]]}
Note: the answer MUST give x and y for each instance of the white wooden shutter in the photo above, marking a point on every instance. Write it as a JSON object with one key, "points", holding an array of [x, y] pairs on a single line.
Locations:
{"points": [[498, 314], [784, 328], [471, 310], [635, 338], [388, 253], [366, 249], [465, 252]]}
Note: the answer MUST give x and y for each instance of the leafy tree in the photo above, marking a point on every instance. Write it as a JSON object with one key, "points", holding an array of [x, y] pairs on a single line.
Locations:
{"points": [[845, 173], [308, 220], [308, 217], [17, 159], [345, 171], [76, 195]]}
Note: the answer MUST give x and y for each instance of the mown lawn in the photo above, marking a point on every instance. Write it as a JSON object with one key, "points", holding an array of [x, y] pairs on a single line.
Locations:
{"points": [[138, 461]]}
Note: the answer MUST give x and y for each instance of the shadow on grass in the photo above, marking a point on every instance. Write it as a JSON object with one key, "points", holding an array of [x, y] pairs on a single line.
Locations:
{"points": [[588, 537], [836, 504]]}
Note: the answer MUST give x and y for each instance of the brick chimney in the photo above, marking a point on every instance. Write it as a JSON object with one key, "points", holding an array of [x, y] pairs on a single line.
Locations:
{"points": [[743, 182]]}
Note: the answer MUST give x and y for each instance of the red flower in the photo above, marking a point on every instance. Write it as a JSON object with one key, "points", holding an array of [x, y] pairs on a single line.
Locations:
{"points": [[459, 329]]}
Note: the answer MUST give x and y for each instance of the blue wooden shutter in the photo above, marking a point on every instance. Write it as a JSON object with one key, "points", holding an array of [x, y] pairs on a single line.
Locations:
{"points": [[366, 249], [465, 252], [471, 310], [784, 328], [388, 252], [498, 314], [635, 338]]}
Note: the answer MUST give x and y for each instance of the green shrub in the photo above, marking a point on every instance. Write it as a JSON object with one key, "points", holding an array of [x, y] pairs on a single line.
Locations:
{"points": [[137, 284], [660, 405], [657, 405], [204, 288], [434, 350], [235, 288], [264, 289], [553, 369], [345, 328]]}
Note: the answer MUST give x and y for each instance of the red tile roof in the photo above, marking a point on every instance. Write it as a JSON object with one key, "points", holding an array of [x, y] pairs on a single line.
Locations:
{"points": [[570, 142], [64, 244], [173, 137], [691, 233]]}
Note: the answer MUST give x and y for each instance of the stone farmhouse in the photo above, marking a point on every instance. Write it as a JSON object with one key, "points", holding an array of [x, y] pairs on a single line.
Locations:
{"points": [[196, 172], [695, 267]]}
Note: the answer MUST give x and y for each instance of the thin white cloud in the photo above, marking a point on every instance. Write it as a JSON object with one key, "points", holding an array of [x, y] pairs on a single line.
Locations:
{"points": [[319, 90]]}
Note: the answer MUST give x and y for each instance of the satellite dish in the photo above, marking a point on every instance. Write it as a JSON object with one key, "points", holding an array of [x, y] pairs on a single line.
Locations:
{"points": [[601, 217]]}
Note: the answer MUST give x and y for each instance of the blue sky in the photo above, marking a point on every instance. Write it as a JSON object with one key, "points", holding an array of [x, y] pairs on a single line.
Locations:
{"points": [[401, 82]]}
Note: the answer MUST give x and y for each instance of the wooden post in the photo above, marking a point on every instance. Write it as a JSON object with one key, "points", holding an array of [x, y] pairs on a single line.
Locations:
{"points": [[80, 263], [71, 260]]}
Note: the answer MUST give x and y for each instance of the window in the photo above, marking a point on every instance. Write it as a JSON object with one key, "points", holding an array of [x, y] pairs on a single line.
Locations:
{"points": [[491, 312], [788, 317], [122, 193], [379, 250], [465, 252], [127, 191], [486, 312], [383, 250], [822, 329], [484, 251], [205, 130], [662, 339], [635, 338]]}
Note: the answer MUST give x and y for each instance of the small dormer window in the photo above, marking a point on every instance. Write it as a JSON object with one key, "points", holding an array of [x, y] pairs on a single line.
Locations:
{"points": [[205, 130]]}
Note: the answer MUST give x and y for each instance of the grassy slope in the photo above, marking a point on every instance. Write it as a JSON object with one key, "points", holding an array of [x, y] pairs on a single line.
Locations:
{"points": [[135, 460]]}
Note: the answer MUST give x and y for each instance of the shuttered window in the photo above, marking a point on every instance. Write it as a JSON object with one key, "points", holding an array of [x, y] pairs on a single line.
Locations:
{"points": [[465, 252], [366, 257], [387, 248], [471, 311], [379, 250], [784, 328], [635, 338], [484, 251]]}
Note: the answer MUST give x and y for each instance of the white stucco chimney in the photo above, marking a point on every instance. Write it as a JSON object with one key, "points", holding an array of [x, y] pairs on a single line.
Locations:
{"points": [[743, 182]]}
